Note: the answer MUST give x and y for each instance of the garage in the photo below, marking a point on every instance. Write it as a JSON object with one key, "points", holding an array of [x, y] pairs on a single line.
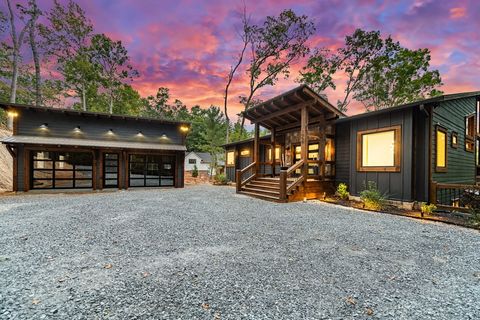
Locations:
{"points": [[151, 170]]}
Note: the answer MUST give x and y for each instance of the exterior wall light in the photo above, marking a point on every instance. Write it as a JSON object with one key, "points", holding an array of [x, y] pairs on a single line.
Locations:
{"points": [[77, 129], [140, 134], [110, 132], [184, 128], [44, 126], [12, 114], [163, 136]]}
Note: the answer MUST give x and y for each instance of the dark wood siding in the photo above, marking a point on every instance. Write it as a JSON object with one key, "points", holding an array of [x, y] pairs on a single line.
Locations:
{"points": [[421, 121], [396, 185], [342, 153], [62, 125], [460, 163]]}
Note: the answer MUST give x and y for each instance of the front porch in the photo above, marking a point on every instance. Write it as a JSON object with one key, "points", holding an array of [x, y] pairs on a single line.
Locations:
{"points": [[297, 160]]}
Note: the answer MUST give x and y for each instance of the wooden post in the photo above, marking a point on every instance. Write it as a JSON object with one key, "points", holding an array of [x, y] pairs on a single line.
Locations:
{"points": [[272, 148], [304, 141], [433, 192], [321, 147], [256, 149], [238, 180], [283, 185]]}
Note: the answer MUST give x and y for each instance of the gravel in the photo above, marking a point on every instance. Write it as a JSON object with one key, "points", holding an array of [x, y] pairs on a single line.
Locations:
{"points": [[204, 252]]}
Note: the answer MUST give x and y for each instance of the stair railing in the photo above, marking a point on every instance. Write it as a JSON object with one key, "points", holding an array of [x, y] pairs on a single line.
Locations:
{"points": [[285, 188], [239, 176]]}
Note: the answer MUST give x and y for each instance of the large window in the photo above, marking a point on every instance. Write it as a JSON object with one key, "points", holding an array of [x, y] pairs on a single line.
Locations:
{"points": [[379, 149], [441, 149], [470, 133], [277, 154], [151, 170], [61, 170]]}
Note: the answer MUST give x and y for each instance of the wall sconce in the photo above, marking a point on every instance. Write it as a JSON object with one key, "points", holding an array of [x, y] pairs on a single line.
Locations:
{"points": [[110, 132], [184, 128], [12, 114], [77, 129], [140, 134], [44, 126], [163, 136]]}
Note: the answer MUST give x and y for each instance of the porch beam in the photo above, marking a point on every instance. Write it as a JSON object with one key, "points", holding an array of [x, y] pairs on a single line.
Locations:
{"points": [[283, 111], [272, 148], [256, 148]]}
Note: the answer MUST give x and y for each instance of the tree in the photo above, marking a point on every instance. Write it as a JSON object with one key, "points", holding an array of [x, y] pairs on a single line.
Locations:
{"points": [[33, 12], [113, 59], [237, 133], [214, 134], [397, 77], [158, 107], [245, 38], [195, 171], [67, 37], [274, 46]]}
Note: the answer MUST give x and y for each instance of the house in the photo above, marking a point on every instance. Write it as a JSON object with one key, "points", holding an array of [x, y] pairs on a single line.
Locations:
{"points": [[406, 150], [66, 149], [203, 161]]}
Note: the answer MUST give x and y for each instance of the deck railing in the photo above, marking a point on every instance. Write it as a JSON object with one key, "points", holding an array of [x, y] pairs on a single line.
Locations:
{"points": [[239, 181], [454, 197], [286, 188]]}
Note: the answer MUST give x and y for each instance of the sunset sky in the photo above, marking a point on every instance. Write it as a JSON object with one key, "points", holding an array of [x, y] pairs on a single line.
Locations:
{"points": [[188, 45]]}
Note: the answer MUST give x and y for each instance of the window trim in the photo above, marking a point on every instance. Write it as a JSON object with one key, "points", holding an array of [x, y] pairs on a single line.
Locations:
{"points": [[192, 159], [445, 131], [454, 144], [397, 151]]}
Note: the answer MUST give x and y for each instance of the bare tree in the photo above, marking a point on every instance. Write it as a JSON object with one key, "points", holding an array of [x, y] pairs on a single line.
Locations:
{"points": [[244, 34]]}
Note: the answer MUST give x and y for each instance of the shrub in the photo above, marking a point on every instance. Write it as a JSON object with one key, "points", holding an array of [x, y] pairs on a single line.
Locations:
{"points": [[427, 208], [195, 171], [372, 198], [342, 191], [471, 200], [220, 179]]}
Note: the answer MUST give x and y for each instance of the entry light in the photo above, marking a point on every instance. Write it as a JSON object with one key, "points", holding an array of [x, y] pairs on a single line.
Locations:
{"points": [[77, 129], [184, 128], [12, 114], [44, 126]]}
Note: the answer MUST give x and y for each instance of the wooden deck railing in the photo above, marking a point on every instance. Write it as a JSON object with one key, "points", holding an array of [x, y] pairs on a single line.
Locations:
{"points": [[286, 188], [239, 176], [452, 196]]}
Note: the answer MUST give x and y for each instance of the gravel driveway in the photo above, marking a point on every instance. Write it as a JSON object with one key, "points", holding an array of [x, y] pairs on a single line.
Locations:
{"points": [[204, 252]]}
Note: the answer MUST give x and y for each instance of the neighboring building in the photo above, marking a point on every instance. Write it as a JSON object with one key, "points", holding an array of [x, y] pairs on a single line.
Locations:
{"points": [[203, 161], [66, 149], [403, 149]]}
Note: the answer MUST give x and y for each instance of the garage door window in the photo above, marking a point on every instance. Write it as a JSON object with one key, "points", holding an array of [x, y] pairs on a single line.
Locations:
{"points": [[151, 171]]}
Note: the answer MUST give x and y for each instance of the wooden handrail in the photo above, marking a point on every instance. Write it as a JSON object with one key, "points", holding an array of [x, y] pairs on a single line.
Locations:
{"points": [[297, 165], [250, 166], [239, 176], [294, 184]]}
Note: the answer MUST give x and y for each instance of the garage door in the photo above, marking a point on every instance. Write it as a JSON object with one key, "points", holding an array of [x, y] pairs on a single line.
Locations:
{"points": [[151, 170], [61, 170]]}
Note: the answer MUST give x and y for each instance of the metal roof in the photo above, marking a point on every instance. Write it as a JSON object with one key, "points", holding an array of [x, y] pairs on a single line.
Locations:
{"points": [[90, 143], [8, 106]]}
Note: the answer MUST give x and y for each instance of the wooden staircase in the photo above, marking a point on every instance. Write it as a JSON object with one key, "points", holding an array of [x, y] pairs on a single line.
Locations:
{"points": [[266, 188]]}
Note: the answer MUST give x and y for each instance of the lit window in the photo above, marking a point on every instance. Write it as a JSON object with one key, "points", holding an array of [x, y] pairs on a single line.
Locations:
{"points": [[245, 153], [277, 154], [470, 126], [379, 149], [454, 140], [230, 158], [329, 150], [441, 150]]}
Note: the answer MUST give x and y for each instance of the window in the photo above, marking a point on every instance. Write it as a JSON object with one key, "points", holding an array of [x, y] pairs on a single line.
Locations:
{"points": [[110, 170], [470, 126], [151, 170], [192, 161], [454, 140], [277, 154], [329, 150], [379, 149], [230, 158], [441, 149], [245, 153]]}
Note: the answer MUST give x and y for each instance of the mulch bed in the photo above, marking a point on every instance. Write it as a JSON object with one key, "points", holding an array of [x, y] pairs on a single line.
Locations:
{"points": [[455, 218]]}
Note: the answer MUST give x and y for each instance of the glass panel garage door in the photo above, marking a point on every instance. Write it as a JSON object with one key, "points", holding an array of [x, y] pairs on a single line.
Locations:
{"points": [[151, 170], [110, 170], [61, 170]]}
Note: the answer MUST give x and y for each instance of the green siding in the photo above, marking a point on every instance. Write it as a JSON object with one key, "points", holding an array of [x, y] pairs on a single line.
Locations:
{"points": [[460, 163]]}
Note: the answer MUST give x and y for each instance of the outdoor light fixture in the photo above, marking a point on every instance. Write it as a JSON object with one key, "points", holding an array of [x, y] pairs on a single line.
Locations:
{"points": [[44, 126], [163, 136], [110, 132], [139, 134], [184, 128], [12, 114], [77, 129]]}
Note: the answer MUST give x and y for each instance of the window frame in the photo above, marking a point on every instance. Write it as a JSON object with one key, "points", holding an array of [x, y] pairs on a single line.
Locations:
{"points": [[230, 165], [192, 161], [452, 143], [445, 131], [397, 151], [248, 153]]}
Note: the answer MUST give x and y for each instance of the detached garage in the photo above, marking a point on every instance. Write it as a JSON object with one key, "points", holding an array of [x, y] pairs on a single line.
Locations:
{"points": [[67, 149]]}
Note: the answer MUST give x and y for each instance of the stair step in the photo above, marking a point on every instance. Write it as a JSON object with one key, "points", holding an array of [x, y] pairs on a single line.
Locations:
{"points": [[260, 185], [266, 183], [260, 196], [261, 191]]}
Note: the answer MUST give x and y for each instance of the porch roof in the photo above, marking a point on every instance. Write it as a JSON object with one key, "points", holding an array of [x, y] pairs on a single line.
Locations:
{"points": [[284, 111]]}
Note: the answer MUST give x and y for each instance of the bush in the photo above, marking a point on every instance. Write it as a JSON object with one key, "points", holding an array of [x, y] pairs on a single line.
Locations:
{"points": [[471, 200], [220, 179], [195, 171], [342, 191], [427, 208], [372, 198]]}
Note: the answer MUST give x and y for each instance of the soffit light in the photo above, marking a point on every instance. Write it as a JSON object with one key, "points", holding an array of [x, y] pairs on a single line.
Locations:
{"points": [[77, 129], [44, 126], [140, 134], [110, 132], [163, 136]]}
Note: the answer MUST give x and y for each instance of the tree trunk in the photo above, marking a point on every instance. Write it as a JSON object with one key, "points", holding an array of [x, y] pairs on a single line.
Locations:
{"points": [[36, 60], [13, 33], [84, 98], [110, 109], [243, 117]]}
